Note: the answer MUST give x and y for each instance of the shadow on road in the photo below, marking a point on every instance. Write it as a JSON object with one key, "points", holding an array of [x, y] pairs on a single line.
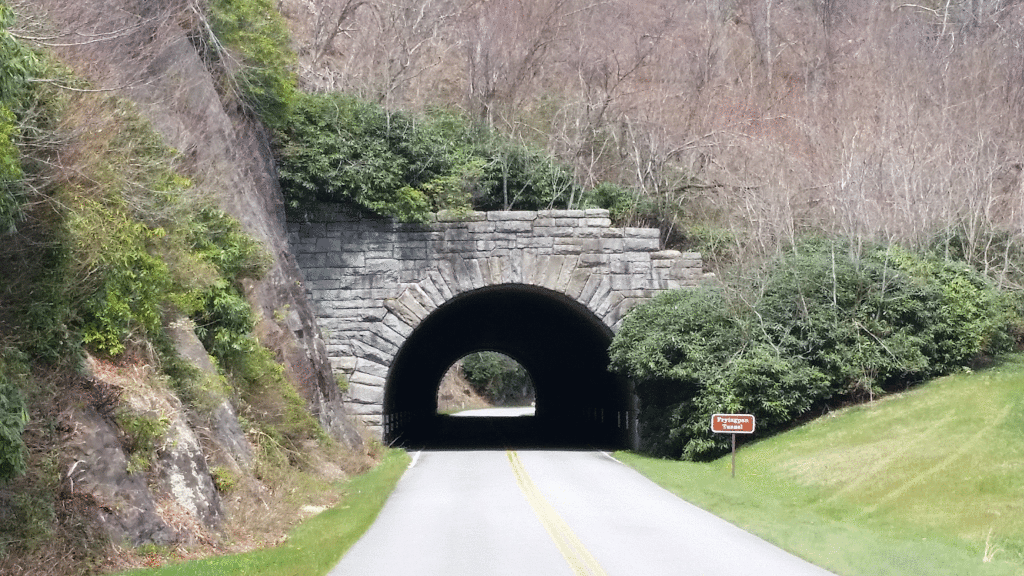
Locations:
{"points": [[504, 432]]}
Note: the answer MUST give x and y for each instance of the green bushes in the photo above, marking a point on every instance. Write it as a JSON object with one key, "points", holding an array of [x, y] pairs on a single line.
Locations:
{"points": [[17, 65], [130, 287], [822, 327], [224, 323], [10, 171], [33, 256], [140, 241], [520, 178], [340, 149], [500, 379], [620, 202], [120, 242], [887, 317], [337, 148], [223, 319], [265, 77], [143, 434], [13, 415], [122, 245]]}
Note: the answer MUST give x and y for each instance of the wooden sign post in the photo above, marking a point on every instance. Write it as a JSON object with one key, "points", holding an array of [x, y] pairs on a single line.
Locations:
{"points": [[733, 424]]}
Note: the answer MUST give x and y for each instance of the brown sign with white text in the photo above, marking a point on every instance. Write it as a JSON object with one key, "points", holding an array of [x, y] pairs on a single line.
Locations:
{"points": [[732, 423]]}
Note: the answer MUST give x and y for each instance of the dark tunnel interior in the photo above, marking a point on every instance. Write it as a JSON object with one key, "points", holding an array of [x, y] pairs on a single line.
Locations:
{"points": [[560, 343]]}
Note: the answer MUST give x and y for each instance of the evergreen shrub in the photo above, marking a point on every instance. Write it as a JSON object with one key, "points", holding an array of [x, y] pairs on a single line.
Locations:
{"points": [[498, 378], [265, 77], [18, 65], [340, 149], [517, 177], [337, 148], [13, 415], [825, 325], [10, 172], [617, 200]]}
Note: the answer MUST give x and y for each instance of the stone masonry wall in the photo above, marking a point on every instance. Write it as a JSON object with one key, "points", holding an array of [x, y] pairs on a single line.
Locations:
{"points": [[373, 280]]}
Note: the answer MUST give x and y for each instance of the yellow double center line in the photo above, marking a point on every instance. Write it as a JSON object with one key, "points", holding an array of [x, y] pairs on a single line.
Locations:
{"points": [[579, 559]]}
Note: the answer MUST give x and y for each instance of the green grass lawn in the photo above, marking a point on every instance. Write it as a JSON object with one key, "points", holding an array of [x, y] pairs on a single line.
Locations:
{"points": [[316, 545], [926, 482]]}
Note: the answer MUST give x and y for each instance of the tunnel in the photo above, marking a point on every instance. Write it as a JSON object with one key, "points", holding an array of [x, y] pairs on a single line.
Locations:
{"points": [[561, 344]]}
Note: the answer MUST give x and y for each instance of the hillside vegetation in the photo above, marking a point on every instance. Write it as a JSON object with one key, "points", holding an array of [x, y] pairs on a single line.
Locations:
{"points": [[923, 482], [735, 126], [826, 323], [851, 170], [160, 389], [498, 378]]}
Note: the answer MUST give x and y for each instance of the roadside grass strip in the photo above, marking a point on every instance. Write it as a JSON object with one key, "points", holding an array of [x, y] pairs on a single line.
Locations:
{"points": [[580, 560], [926, 482], [314, 547]]}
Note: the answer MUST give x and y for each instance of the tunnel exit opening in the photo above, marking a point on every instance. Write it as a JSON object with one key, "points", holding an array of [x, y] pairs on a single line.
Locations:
{"points": [[486, 383], [556, 340]]}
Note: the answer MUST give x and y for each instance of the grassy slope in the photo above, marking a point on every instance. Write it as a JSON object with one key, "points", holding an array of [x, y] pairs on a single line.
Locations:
{"points": [[924, 482], [316, 545]]}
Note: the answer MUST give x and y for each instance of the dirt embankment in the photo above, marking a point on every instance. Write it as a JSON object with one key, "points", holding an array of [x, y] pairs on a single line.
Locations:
{"points": [[457, 393]]}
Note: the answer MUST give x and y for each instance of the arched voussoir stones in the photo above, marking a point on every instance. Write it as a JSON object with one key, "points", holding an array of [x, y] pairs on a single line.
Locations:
{"points": [[374, 281]]}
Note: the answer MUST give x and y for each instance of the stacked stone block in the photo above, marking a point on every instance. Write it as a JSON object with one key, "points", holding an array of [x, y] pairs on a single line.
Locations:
{"points": [[373, 281]]}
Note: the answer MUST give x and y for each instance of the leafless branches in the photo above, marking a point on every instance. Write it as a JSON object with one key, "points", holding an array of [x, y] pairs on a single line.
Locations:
{"points": [[887, 120], [506, 47], [331, 17], [873, 120]]}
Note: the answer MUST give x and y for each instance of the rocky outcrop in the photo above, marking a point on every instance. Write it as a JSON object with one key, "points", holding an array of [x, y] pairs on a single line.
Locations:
{"points": [[183, 473], [99, 467], [168, 495], [223, 431]]}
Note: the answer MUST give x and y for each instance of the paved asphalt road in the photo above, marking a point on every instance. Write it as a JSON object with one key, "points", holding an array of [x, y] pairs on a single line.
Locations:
{"points": [[550, 513]]}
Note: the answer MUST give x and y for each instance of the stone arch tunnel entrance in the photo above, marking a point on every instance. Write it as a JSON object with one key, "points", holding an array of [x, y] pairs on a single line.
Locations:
{"points": [[559, 342], [398, 303]]}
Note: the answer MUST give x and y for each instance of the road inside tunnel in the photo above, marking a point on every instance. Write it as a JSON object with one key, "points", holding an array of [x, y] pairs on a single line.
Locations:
{"points": [[561, 344]]}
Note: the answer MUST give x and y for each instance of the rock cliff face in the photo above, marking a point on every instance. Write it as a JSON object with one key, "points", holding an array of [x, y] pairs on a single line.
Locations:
{"points": [[183, 503], [141, 50], [127, 508]]}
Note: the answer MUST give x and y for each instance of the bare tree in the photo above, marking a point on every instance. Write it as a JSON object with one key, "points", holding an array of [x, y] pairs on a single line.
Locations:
{"points": [[410, 31], [759, 19], [331, 19], [860, 118], [506, 45]]}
